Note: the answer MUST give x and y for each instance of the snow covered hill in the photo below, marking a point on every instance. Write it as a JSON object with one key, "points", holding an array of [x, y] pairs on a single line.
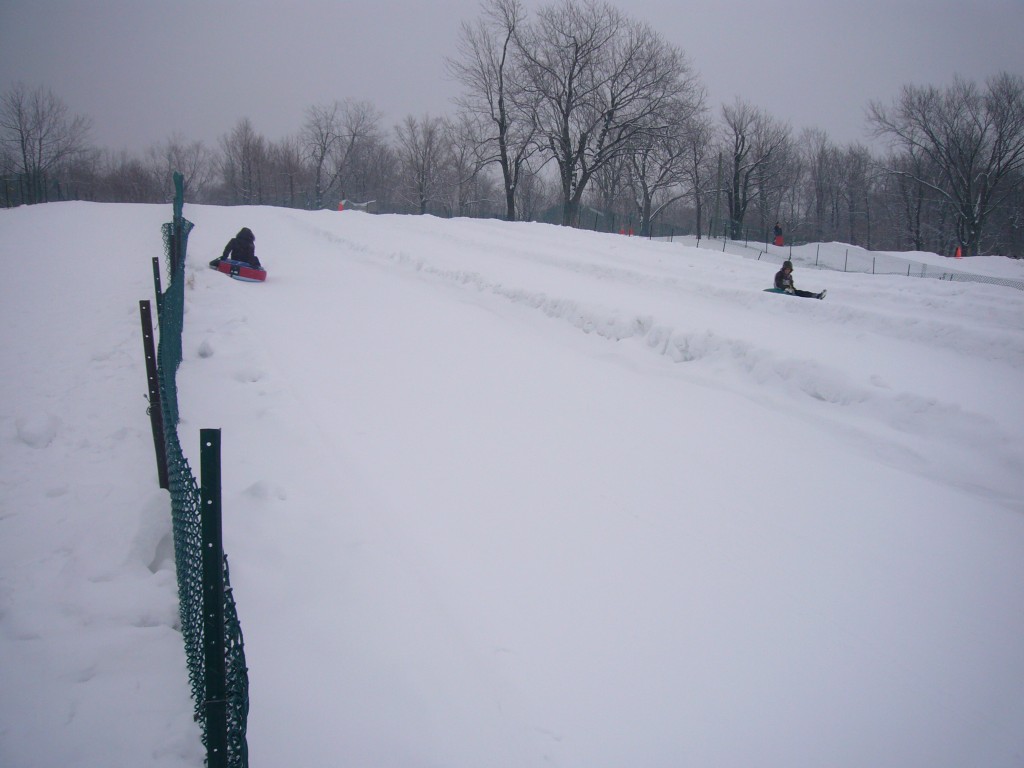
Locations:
{"points": [[514, 495]]}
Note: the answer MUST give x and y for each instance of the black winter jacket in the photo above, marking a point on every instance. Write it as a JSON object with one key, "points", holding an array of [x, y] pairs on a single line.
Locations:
{"points": [[242, 247]]}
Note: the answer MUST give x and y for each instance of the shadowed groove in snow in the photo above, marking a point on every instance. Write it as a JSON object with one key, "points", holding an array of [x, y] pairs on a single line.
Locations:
{"points": [[818, 386], [804, 379]]}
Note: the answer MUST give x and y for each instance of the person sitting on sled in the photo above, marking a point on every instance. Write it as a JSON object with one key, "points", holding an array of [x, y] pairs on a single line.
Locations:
{"points": [[784, 282], [242, 247]]}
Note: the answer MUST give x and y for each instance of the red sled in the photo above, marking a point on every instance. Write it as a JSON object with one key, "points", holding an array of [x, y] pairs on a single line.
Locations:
{"points": [[778, 240], [240, 270]]}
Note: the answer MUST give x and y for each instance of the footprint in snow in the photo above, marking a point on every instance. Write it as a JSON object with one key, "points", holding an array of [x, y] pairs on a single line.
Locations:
{"points": [[37, 430]]}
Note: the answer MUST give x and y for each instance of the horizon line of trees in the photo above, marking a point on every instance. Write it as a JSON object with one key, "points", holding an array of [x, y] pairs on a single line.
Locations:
{"points": [[581, 116]]}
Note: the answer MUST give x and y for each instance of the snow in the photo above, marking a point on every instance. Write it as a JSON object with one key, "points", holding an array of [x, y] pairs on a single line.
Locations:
{"points": [[512, 495]]}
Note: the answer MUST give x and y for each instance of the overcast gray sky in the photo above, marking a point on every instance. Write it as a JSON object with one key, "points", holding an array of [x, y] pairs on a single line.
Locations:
{"points": [[146, 69]]}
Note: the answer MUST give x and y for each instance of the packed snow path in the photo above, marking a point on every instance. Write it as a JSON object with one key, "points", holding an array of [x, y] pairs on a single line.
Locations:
{"points": [[519, 495]]}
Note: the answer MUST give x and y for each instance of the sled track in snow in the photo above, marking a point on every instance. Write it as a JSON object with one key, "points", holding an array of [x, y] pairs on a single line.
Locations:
{"points": [[805, 381]]}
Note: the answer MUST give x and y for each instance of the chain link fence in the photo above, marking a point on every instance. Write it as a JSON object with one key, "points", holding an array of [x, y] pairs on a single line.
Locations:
{"points": [[186, 521], [851, 259]]}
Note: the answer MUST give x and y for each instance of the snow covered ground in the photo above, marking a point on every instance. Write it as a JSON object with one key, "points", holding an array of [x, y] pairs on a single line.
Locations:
{"points": [[515, 495]]}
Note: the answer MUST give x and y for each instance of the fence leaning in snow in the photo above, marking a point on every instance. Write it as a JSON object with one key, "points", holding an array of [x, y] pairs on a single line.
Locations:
{"points": [[215, 657]]}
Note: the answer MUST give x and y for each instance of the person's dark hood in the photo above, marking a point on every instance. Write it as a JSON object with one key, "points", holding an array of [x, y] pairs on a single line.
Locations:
{"points": [[246, 234]]}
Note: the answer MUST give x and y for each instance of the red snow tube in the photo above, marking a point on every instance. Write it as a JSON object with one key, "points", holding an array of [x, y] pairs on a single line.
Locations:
{"points": [[240, 270]]}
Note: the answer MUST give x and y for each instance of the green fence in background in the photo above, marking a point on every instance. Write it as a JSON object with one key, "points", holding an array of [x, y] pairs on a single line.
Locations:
{"points": [[221, 693]]}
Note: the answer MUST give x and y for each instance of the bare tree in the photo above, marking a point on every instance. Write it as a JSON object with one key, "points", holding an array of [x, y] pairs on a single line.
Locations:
{"points": [[974, 137], [287, 174], [609, 193], [776, 181], [360, 128], [421, 153], [124, 178], [243, 164], [468, 186], [697, 166], [752, 137], [914, 211], [39, 137], [855, 187], [659, 164], [371, 173], [819, 156], [491, 71], [320, 133], [331, 139], [600, 81], [192, 159]]}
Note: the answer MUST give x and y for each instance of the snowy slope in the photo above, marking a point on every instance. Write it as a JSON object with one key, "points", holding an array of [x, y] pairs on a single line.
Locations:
{"points": [[513, 494]]}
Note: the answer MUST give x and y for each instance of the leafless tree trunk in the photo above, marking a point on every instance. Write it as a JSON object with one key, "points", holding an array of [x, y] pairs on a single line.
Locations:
{"points": [[421, 152], [320, 133], [975, 139], [360, 125], [774, 180], [191, 159], [600, 81], [371, 172], [490, 69], [39, 137], [658, 166], [464, 165], [819, 158], [244, 164], [331, 138], [854, 185], [287, 174], [122, 178], [699, 164], [752, 139]]}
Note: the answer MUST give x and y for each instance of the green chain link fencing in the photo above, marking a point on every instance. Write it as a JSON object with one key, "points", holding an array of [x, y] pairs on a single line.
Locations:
{"points": [[186, 521]]}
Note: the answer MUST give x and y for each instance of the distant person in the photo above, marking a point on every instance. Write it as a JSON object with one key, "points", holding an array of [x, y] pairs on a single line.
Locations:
{"points": [[784, 282], [242, 247], [778, 233]]}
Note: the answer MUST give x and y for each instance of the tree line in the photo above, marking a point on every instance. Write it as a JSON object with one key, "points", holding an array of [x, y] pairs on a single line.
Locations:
{"points": [[581, 116]]}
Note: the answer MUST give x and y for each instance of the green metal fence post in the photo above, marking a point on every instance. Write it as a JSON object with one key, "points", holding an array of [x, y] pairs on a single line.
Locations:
{"points": [[156, 284], [156, 413], [213, 601]]}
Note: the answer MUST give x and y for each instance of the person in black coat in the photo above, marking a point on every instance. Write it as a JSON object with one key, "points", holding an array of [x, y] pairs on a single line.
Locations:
{"points": [[784, 282], [242, 247]]}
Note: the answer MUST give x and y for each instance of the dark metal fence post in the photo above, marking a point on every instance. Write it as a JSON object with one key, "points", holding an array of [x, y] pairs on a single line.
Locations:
{"points": [[156, 412], [213, 601], [177, 235], [156, 284]]}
